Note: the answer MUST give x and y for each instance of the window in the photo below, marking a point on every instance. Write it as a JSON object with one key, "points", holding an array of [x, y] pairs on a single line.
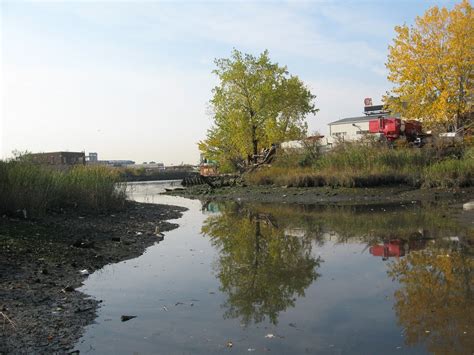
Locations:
{"points": [[339, 134], [362, 132]]}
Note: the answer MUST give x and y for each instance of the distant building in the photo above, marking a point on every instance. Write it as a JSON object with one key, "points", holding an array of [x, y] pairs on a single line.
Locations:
{"points": [[182, 167], [151, 166], [349, 129], [59, 158], [92, 158], [160, 166], [354, 128], [117, 163]]}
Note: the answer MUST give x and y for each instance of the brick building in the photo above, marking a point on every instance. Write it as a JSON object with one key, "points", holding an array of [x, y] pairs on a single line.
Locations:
{"points": [[59, 158]]}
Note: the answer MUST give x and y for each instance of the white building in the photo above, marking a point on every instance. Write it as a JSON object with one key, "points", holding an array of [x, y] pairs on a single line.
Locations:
{"points": [[354, 128], [349, 129]]}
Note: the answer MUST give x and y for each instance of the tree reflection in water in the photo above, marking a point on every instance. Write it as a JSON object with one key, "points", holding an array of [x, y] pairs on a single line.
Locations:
{"points": [[261, 268], [265, 261], [435, 303]]}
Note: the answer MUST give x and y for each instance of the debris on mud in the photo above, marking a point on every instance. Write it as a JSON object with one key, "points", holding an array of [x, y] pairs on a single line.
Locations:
{"points": [[42, 262]]}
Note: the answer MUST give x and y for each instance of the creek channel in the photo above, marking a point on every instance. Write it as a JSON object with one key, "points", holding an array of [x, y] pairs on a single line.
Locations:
{"points": [[289, 279]]}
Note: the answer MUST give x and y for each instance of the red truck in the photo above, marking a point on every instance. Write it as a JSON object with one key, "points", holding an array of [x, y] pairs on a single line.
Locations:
{"points": [[396, 248], [393, 128]]}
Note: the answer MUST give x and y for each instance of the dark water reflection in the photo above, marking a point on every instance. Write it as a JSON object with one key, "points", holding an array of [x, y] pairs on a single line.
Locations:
{"points": [[293, 279]]}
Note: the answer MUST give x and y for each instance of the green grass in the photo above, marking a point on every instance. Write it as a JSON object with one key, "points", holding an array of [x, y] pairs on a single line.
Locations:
{"points": [[39, 189], [451, 172], [359, 165]]}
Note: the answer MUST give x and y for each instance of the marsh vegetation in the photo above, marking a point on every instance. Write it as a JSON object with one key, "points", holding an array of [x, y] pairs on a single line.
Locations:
{"points": [[29, 189], [362, 164]]}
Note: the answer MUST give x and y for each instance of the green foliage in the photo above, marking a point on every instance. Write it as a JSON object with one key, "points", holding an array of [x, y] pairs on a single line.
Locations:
{"points": [[256, 103], [37, 189], [451, 172]]}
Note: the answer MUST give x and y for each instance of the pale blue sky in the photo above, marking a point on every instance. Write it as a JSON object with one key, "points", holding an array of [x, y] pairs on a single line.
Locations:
{"points": [[132, 79]]}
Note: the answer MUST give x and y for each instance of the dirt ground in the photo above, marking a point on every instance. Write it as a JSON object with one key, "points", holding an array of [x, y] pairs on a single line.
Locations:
{"points": [[40, 264]]}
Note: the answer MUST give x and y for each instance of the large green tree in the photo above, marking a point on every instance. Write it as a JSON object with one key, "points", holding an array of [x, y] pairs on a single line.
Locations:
{"points": [[432, 66], [256, 103]]}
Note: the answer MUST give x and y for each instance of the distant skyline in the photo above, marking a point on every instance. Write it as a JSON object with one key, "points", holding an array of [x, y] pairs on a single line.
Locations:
{"points": [[132, 80]]}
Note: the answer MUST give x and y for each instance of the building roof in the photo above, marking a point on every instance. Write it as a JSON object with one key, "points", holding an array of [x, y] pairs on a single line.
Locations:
{"points": [[359, 119], [58, 152]]}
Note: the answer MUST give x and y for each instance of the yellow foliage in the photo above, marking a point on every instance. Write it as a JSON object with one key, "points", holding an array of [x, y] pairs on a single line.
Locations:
{"points": [[432, 66], [434, 303]]}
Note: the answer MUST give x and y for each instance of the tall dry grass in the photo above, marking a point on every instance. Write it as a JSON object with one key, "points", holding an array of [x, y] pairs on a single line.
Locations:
{"points": [[37, 189], [362, 165]]}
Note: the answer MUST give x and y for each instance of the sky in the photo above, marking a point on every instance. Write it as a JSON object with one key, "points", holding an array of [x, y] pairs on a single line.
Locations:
{"points": [[133, 79]]}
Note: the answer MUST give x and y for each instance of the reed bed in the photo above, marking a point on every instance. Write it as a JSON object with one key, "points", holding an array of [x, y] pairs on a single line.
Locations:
{"points": [[33, 190], [359, 165]]}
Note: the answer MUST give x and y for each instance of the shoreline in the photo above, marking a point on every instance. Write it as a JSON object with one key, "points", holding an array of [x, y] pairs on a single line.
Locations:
{"points": [[327, 195], [40, 268], [41, 259]]}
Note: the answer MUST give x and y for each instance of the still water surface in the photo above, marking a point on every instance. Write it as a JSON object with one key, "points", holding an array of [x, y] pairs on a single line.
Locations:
{"points": [[290, 280]]}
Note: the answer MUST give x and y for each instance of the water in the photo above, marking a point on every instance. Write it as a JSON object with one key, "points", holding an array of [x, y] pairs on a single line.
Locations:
{"points": [[290, 280]]}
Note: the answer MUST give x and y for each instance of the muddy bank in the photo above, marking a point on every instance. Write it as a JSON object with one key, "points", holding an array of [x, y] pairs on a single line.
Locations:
{"points": [[40, 264], [327, 195]]}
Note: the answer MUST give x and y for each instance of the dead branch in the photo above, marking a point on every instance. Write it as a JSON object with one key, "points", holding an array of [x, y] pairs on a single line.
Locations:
{"points": [[6, 318]]}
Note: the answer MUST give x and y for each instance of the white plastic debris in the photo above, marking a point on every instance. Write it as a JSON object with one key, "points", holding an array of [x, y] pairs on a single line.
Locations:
{"points": [[269, 336], [84, 272], [468, 206]]}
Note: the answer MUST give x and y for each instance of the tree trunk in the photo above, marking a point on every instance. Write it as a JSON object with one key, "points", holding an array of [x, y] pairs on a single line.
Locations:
{"points": [[254, 143], [257, 243], [458, 122]]}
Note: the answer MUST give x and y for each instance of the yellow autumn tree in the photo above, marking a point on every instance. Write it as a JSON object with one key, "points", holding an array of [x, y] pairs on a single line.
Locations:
{"points": [[432, 66], [434, 302]]}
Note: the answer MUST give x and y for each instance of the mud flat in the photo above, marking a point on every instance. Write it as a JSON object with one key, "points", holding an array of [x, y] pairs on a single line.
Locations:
{"points": [[43, 261], [327, 195]]}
